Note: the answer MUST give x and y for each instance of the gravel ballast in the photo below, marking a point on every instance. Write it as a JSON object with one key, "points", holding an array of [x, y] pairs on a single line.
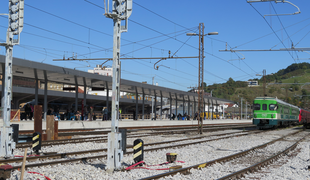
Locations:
{"points": [[191, 155]]}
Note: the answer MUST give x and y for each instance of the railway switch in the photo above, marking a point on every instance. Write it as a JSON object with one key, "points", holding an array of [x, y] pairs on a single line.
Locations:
{"points": [[138, 151], [36, 142]]}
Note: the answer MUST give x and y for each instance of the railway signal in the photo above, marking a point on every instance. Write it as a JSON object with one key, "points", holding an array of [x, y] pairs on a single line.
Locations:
{"points": [[121, 11], [16, 21]]}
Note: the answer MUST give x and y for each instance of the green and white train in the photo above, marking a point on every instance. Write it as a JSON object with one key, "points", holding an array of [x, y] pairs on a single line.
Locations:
{"points": [[271, 112]]}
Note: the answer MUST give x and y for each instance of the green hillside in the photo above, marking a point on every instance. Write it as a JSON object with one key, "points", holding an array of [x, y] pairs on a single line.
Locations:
{"points": [[288, 84]]}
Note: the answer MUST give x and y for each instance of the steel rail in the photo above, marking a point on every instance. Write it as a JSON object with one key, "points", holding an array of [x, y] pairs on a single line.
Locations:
{"points": [[96, 139], [29, 132], [186, 170], [63, 155], [164, 129], [257, 166]]}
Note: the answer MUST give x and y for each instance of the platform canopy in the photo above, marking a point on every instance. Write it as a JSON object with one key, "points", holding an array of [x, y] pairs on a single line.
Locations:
{"points": [[32, 70]]}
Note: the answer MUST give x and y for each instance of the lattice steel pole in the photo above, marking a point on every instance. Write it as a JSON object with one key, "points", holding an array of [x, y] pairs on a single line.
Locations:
{"points": [[200, 77]]}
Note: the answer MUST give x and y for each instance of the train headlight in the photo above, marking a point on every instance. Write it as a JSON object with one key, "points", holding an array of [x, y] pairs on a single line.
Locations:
{"points": [[271, 115], [255, 115]]}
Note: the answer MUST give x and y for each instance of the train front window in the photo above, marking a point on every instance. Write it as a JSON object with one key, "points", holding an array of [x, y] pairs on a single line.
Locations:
{"points": [[256, 106], [264, 106], [273, 107]]}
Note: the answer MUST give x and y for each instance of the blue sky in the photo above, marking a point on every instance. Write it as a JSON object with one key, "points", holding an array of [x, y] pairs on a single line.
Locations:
{"points": [[58, 28]]}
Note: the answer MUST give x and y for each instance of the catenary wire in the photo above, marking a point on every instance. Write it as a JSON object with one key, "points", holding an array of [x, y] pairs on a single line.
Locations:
{"points": [[175, 39], [273, 31], [283, 28], [269, 34]]}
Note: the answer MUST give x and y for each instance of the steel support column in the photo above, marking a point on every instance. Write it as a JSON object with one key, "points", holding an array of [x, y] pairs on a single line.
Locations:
{"points": [[176, 104], [155, 106], [195, 107], [183, 106], [212, 109], [137, 104], [188, 106], [45, 94], [170, 111], [3, 80], [143, 99], [200, 76], [76, 94], [204, 107], [107, 103], [36, 87], [7, 145], [209, 108], [84, 101], [217, 108], [161, 105], [223, 111]]}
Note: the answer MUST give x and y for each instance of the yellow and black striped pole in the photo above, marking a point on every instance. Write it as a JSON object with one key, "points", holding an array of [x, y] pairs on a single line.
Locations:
{"points": [[36, 142], [138, 150]]}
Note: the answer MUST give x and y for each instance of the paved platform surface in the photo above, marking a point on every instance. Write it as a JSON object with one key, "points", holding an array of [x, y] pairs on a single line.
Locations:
{"points": [[29, 125]]}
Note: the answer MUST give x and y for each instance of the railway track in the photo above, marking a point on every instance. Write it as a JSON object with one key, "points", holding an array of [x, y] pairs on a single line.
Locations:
{"points": [[54, 156], [72, 132], [262, 163], [103, 138], [235, 159]]}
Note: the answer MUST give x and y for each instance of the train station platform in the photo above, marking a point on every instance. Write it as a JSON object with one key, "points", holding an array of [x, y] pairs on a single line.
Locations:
{"points": [[29, 125]]}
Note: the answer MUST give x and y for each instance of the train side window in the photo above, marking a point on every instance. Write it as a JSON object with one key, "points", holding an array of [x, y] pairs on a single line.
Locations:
{"points": [[256, 106], [264, 106], [273, 107]]}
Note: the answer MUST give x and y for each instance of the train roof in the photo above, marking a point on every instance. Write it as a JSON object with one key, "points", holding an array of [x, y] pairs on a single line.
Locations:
{"points": [[276, 99]]}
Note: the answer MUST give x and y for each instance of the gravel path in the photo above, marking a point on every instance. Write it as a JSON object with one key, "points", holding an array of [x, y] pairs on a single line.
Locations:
{"points": [[192, 155]]}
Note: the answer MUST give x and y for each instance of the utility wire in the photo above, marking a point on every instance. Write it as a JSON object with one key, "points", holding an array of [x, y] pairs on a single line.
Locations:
{"points": [[160, 16], [284, 28], [293, 35], [171, 38], [269, 34], [302, 38], [131, 42], [281, 23]]}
